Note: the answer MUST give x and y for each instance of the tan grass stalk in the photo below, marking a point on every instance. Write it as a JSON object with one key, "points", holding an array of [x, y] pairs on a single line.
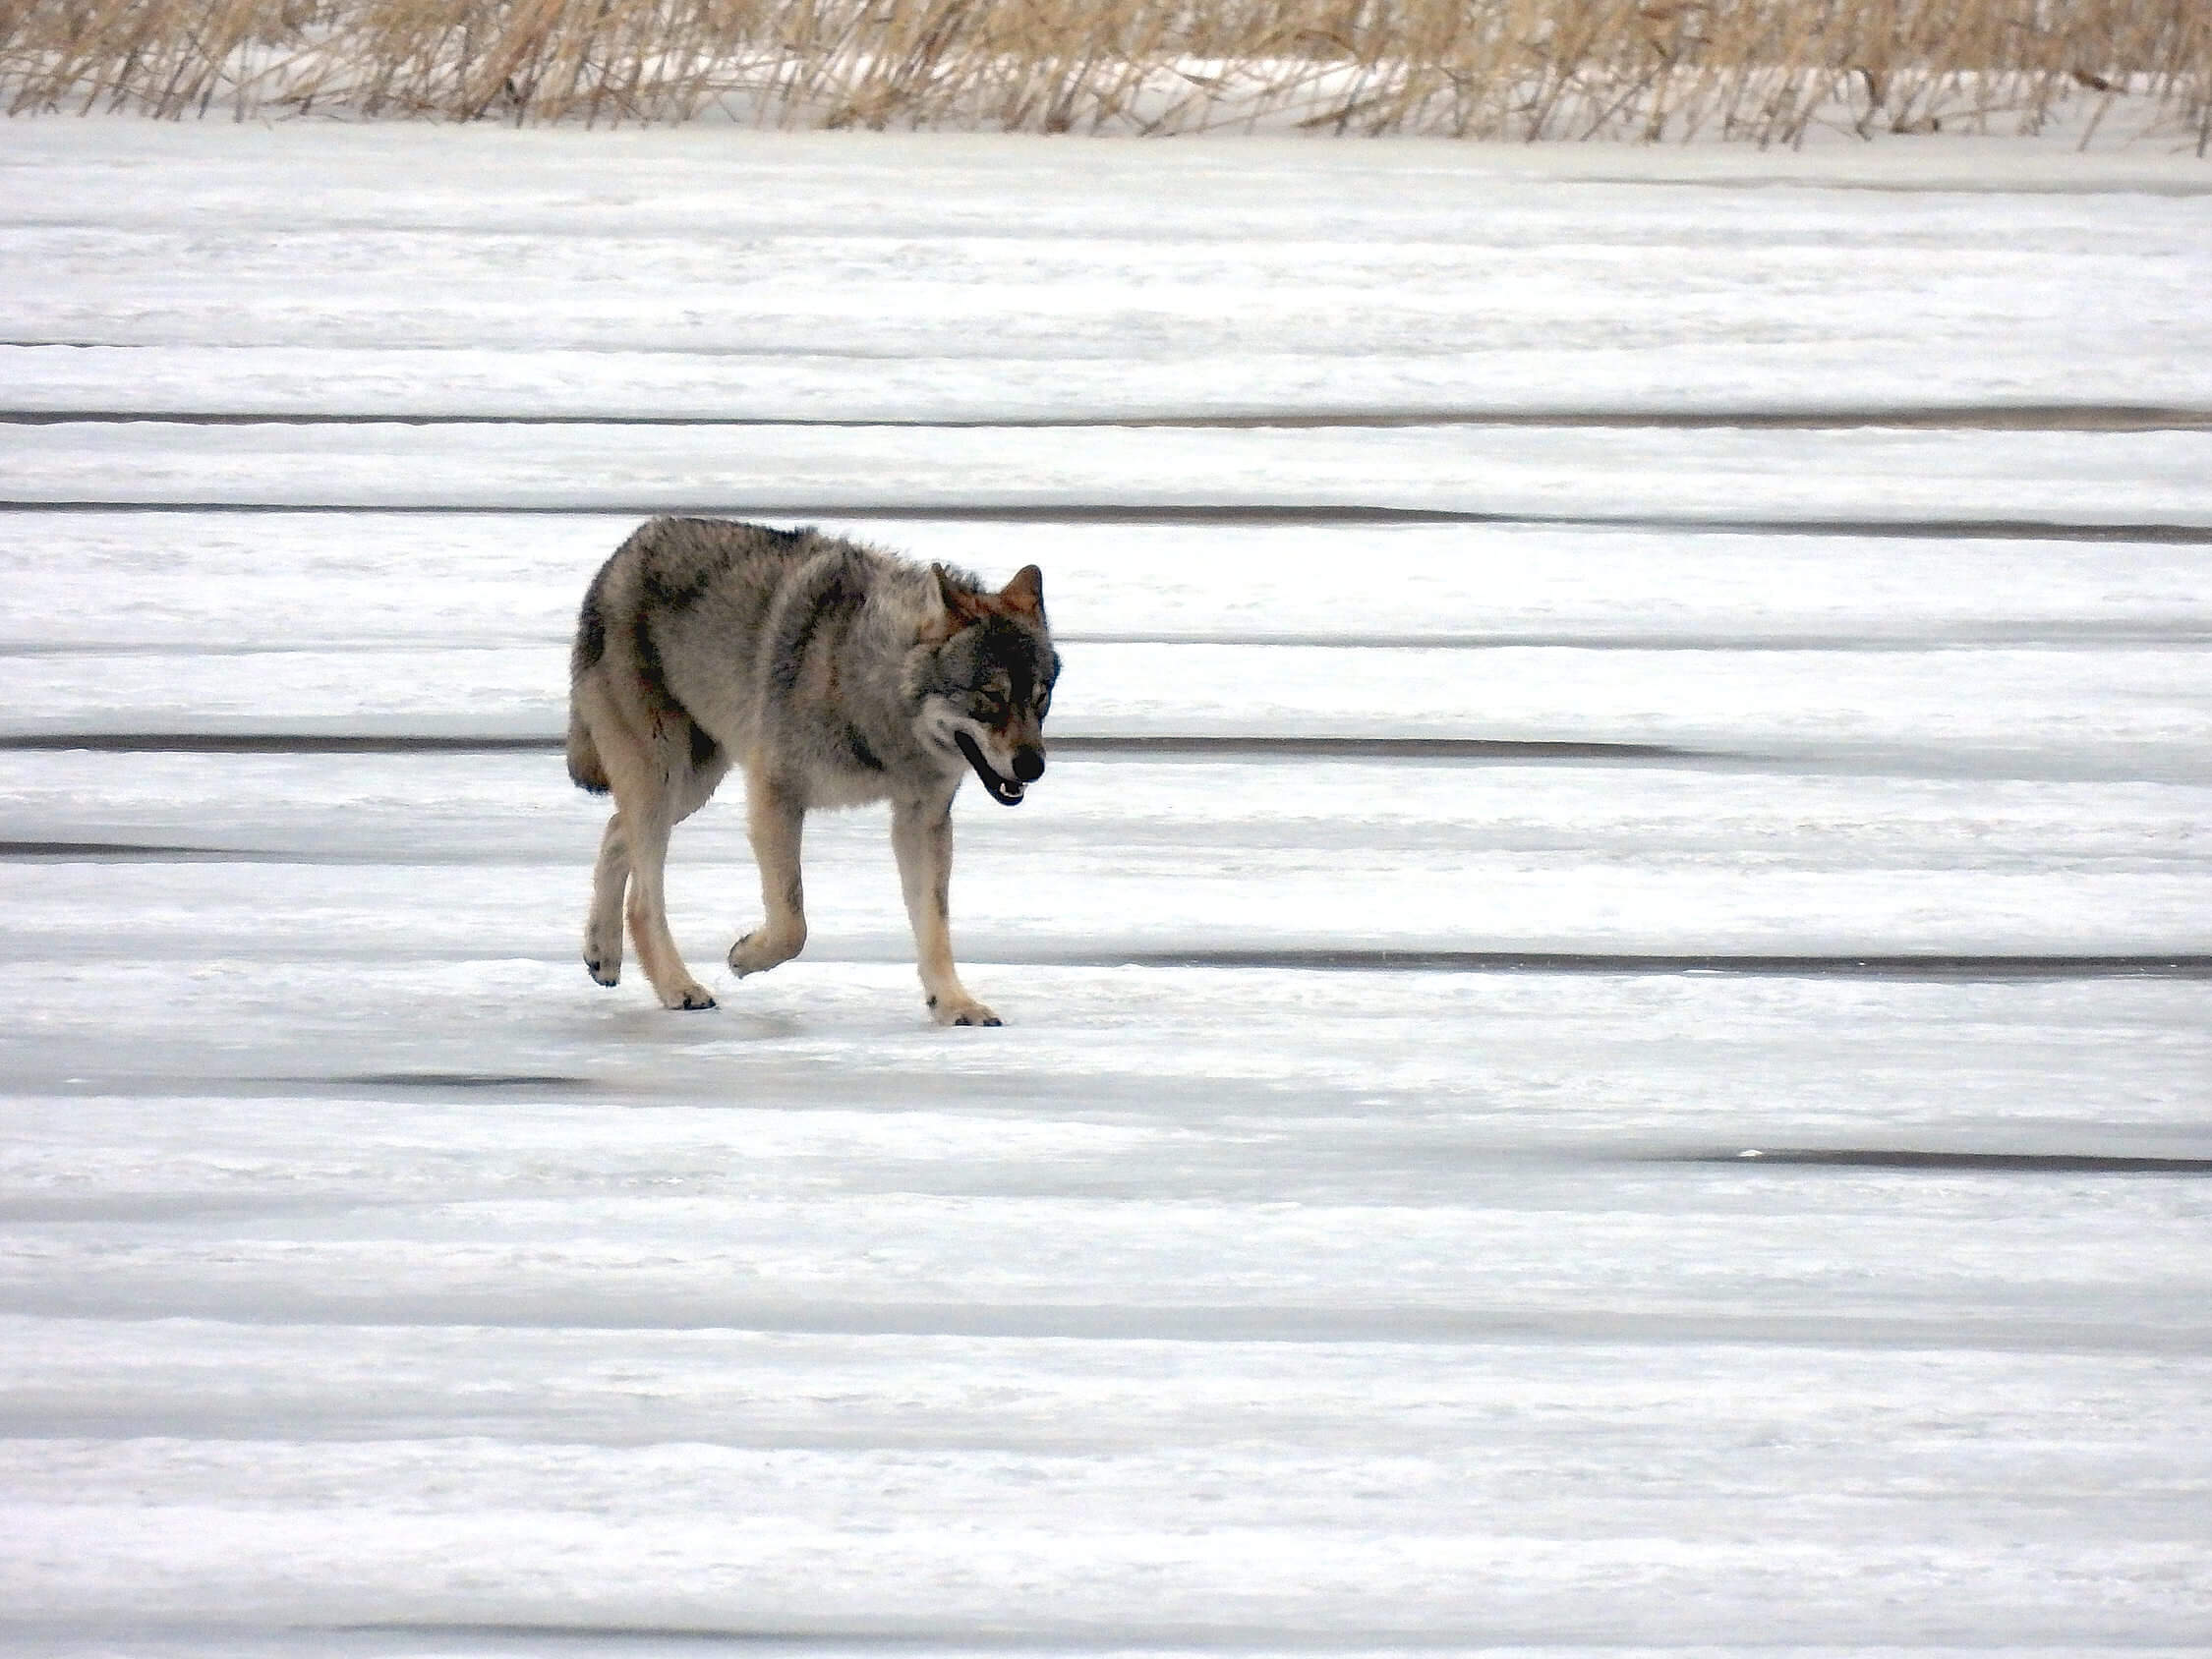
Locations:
{"points": [[1758, 70]]}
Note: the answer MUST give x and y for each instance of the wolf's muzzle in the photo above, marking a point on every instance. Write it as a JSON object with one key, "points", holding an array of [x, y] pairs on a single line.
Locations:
{"points": [[1028, 767]]}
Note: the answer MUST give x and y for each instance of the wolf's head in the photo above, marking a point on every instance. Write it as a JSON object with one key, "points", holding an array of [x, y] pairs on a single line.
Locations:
{"points": [[989, 681]]}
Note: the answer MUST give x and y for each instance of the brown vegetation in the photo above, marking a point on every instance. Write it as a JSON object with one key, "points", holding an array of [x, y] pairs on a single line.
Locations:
{"points": [[1764, 70]]}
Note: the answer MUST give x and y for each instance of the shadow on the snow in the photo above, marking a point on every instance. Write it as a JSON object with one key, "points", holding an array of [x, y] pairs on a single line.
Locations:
{"points": [[1899, 1158], [1911, 965]]}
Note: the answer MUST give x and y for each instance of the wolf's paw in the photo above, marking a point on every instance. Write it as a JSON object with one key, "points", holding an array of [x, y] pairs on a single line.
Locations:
{"points": [[760, 950], [603, 948], [947, 1012], [687, 999]]}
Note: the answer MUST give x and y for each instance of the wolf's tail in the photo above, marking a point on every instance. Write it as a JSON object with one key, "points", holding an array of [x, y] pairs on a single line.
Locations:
{"points": [[583, 756]]}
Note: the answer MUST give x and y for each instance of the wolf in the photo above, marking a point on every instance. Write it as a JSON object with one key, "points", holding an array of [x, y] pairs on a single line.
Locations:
{"points": [[834, 673]]}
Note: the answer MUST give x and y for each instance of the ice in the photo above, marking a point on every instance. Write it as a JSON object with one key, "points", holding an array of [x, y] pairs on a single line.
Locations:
{"points": [[1349, 1245]]}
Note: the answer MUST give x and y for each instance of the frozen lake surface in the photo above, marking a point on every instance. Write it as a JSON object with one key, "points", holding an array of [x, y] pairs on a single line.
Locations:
{"points": [[1610, 993]]}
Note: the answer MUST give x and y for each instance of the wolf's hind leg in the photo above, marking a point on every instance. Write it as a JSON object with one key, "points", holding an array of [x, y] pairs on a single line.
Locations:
{"points": [[650, 779], [922, 834], [648, 912], [602, 928], [775, 815], [677, 791]]}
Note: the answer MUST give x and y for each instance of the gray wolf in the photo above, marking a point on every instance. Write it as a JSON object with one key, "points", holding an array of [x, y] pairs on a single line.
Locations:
{"points": [[835, 674]]}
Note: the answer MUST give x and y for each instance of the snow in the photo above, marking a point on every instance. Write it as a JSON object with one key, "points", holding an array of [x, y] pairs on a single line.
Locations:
{"points": [[1351, 1244], [428, 269]]}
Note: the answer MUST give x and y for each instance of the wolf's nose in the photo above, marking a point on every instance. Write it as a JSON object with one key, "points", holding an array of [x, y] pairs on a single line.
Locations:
{"points": [[1029, 764]]}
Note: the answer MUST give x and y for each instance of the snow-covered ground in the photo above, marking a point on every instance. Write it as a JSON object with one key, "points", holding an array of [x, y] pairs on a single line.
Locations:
{"points": [[1760, 610]]}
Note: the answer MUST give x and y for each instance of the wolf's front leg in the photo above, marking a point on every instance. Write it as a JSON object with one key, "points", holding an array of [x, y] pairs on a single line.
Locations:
{"points": [[774, 814], [922, 834]]}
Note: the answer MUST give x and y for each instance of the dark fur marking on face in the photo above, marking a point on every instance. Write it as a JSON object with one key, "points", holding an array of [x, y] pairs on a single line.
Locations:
{"points": [[1022, 653]]}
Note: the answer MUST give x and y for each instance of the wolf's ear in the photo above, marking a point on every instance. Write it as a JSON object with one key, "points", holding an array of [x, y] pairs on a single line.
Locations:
{"points": [[956, 608], [1025, 593]]}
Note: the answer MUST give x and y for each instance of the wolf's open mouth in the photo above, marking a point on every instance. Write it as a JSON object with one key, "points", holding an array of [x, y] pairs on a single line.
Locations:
{"points": [[1004, 791]]}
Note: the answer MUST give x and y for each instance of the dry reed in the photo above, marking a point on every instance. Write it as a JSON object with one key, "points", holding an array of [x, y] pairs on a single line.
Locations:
{"points": [[1767, 71]]}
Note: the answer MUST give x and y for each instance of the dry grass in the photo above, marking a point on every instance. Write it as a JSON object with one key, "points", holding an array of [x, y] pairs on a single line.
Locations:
{"points": [[1656, 70]]}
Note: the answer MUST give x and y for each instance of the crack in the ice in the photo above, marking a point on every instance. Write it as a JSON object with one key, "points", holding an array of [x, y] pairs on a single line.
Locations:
{"points": [[1317, 514]]}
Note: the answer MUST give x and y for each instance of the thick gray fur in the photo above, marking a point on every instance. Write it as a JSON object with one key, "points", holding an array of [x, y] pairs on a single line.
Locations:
{"points": [[832, 674]]}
